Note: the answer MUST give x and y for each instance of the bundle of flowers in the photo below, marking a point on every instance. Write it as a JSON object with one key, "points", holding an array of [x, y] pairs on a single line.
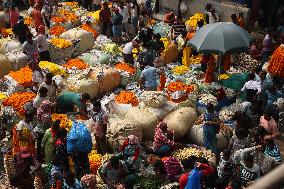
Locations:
{"points": [[77, 63], [29, 21], [2, 96], [195, 59], [127, 97], [165, 41], [64, 121], [95, 161], [57, 19], [56, 30], [18, 100], [192, 22], [61, 43], [6, 32], [89, 29], [126, 68], [51, 67], [276, 64], [179, 86], [23, 76], [180, 70]]}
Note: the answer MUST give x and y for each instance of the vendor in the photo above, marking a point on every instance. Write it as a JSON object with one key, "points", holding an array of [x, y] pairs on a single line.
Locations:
{"points": [[149, 78], [127, 51], [252, 88], [223, 100], [163, 140], [51, 87], [211, 128], [69, 101], [269, 124]]}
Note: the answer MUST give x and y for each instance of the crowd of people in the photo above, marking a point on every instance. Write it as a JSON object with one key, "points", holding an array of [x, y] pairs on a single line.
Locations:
{"points": [[39, 142]]}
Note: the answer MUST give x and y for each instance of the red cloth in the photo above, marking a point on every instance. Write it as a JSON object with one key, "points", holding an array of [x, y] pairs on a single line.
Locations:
{"points": [[13, 17], [38, 19], [205, 170]]}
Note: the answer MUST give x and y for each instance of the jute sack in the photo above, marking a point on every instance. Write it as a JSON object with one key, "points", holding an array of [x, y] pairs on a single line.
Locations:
{"points": [[84, 86], [10, 45], [18, 58], [86, 39], [107, 78], [180, 121], [119, 129], [6, 65], [195, 135], [153, 98], [146, 119]]}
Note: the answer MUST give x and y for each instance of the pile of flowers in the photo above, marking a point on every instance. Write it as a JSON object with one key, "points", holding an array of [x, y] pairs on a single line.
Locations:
{"points": [[69, 16], [2, 96], [180, 70], [95, 16], [23, 76], [51, 67], [179, 86], [192, 22], [6, 32], [195, 59], [56, 30], [77, 63], [127, 97], [71, 4], [57, 19], [95, 161], [29, 21], [276, 64], [64, 121], [18, 100], [126, 68], [89, 29], [61, 43]]}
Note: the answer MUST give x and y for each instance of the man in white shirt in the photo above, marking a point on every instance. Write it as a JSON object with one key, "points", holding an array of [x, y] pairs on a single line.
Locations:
{"points": [[124, 11], [252, 88], [51, 87], [127, 51], [42, 44]]}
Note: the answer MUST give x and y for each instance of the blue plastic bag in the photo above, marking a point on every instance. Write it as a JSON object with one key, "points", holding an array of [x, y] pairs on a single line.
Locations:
{"points": [[79, 139], [194, 179]]}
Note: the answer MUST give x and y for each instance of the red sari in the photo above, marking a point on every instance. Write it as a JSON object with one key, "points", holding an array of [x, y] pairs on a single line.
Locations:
{"points": [[37, 16]]}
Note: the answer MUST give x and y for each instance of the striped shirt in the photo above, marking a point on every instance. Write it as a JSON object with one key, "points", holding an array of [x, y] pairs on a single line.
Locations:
{"points": [[273, 152], [178, 28]]}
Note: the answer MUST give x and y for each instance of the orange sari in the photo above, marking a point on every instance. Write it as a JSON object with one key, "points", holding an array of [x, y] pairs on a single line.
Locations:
{"points": [[226, 62], [211, 64]]}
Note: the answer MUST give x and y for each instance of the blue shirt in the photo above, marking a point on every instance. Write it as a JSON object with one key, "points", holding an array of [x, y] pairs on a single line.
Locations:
{"points": [[149, 74], [273, 152]]}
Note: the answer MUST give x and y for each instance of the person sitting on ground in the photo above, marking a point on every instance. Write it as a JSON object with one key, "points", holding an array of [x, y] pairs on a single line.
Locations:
{"points": [[127, 51], [272, 150], [269, 124], [40, 97], [70, 101], [252, 88], [163, 140], [113, 172]]}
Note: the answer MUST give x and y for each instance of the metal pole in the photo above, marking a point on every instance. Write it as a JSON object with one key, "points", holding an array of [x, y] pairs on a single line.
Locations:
{"points": [[272, 180]]}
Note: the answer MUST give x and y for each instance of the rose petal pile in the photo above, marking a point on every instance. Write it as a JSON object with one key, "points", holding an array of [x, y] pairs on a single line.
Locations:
{"points": [[127, 97], [23, 76], [77, 63], [51, 67], [61, 43], [18, 100], [56, 30], [64, 121], [126, 68], [95, 161]]}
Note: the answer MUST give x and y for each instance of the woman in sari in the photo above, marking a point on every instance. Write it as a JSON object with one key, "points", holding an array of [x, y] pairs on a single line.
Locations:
{"points": [[163, 142]]}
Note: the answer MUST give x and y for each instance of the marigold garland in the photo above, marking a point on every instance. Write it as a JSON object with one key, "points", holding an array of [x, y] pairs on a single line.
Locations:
{"points": [[29, 21], [77, 63], [64, 121], [56, 30], [6, 32], [180, 70], [179, 86], [125, 67], [69, 16], [89, 29], [51, 67], [60, 43], [276, 64], [18, 100], [22, 76], [127, 97], [58, 19], [95, 161]]}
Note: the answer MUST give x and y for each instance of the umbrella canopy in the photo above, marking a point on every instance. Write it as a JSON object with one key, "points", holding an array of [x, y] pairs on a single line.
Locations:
{"points": [[220, 38]]}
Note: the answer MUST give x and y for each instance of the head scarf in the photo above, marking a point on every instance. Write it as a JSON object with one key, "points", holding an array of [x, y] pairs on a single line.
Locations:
{"points": [[133, 139]]}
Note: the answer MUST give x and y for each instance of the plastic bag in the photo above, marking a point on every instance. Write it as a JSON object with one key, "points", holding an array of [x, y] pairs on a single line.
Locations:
{"points": [[194, 180], [79, 139]]}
